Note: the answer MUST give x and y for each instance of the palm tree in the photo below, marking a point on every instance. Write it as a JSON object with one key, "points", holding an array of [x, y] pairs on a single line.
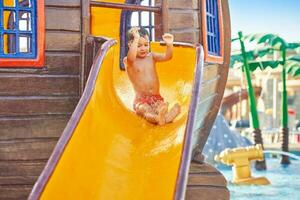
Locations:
{"points": [[289, 65], [243, 57]]}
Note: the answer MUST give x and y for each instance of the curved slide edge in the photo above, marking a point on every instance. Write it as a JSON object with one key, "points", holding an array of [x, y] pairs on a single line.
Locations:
{"points": [[190, 130], [68, 131]]}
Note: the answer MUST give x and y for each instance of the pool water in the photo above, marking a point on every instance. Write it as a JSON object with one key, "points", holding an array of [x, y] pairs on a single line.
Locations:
{"points": [[285, 182]]}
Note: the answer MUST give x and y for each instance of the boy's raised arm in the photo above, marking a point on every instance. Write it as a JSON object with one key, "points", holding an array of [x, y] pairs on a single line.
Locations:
{"points": [[168, 38], [132, 52]]}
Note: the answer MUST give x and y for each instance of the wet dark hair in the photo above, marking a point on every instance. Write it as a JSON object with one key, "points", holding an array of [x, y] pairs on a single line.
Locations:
{"points": [[142, 31]]}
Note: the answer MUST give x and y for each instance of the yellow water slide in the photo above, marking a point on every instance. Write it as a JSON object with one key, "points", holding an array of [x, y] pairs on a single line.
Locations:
{"points": [[107, 152]]}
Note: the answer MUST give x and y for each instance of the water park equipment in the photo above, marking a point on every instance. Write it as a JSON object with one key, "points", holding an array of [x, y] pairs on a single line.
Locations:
{"points": [[273, 55], [240, 159], [117, 148], [48, 96]]}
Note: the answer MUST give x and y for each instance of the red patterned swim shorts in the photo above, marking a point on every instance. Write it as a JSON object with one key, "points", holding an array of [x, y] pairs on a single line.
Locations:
{"points": [[147, 99]]}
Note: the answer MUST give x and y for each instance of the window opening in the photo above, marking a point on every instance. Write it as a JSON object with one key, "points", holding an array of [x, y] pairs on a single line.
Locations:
{"points": [[18, 29], [129, 19], [212, 21]]}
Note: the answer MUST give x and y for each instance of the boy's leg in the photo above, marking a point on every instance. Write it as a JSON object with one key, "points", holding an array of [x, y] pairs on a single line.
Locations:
{"points": [[153, 118], [141, 109], [147, 112], [161, 108], [172, 114]]}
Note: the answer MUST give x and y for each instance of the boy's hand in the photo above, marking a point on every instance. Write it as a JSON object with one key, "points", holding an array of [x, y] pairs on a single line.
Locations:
{"points": [[135, 33], [168, 38]]}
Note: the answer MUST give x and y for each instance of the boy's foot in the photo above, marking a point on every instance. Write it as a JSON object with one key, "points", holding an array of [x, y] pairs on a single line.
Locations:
{"points": [[172, 114], [161, 115]]}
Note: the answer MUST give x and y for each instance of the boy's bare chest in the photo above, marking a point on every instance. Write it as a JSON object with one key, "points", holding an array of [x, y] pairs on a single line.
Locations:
{"points": [[141, 66]]}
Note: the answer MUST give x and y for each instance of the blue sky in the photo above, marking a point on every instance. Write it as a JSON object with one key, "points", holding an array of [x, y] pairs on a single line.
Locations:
{"points": [[281, 17]]}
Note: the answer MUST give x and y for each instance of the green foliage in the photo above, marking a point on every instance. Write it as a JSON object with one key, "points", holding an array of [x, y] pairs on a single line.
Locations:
{"points": [[294, 58], [262, 58], [259, 58], [293, 67], [273, 40], [295, 47], [253, 65], [237, 57]]}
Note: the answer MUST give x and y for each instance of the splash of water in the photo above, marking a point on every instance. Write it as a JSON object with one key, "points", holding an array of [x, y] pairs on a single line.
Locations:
{"points": [[291, 155]]}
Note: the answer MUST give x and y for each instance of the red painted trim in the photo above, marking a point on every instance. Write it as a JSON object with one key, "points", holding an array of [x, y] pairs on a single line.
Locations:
{"points": [[207, 56], [39, 61]]}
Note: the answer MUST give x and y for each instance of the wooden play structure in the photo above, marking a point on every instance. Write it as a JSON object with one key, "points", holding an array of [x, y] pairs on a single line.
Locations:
{"points": [[231, 103], [67, 125]]}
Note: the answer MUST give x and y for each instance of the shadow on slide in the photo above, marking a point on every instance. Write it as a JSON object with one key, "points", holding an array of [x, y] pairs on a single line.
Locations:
{"points": [[107, 152]]}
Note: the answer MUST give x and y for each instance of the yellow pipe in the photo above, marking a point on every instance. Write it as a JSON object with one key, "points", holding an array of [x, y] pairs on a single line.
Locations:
{"points": [[240, 159]]}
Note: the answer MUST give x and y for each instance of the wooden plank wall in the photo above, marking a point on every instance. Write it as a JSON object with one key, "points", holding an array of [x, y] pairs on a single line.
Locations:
{"points": [[206, 183], [184, 21], [35, 104], [222, 73]]}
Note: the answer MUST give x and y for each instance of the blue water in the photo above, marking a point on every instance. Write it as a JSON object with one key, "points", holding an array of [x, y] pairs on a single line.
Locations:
{"points": [[285, 182], [296, 153]]}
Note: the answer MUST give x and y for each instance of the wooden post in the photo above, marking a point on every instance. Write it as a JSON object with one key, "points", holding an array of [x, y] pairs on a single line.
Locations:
{"points": [[85, 31], [126, 6], [158, 21], [165, 16]]}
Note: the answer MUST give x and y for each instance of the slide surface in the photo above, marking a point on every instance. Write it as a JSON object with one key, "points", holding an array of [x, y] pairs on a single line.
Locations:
{"points": [[108, 152]]}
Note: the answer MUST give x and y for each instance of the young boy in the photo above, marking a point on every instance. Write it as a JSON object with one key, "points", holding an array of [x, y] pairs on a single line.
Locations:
{"points": [[141, 70]]}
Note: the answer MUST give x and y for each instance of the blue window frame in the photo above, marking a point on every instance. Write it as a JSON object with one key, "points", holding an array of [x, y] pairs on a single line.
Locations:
{"points": [[136, 18], [18, 29], [213, 30]]}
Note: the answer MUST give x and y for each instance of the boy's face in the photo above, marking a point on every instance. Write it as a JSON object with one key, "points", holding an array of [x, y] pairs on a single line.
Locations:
{"points": [[143, 47]]}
